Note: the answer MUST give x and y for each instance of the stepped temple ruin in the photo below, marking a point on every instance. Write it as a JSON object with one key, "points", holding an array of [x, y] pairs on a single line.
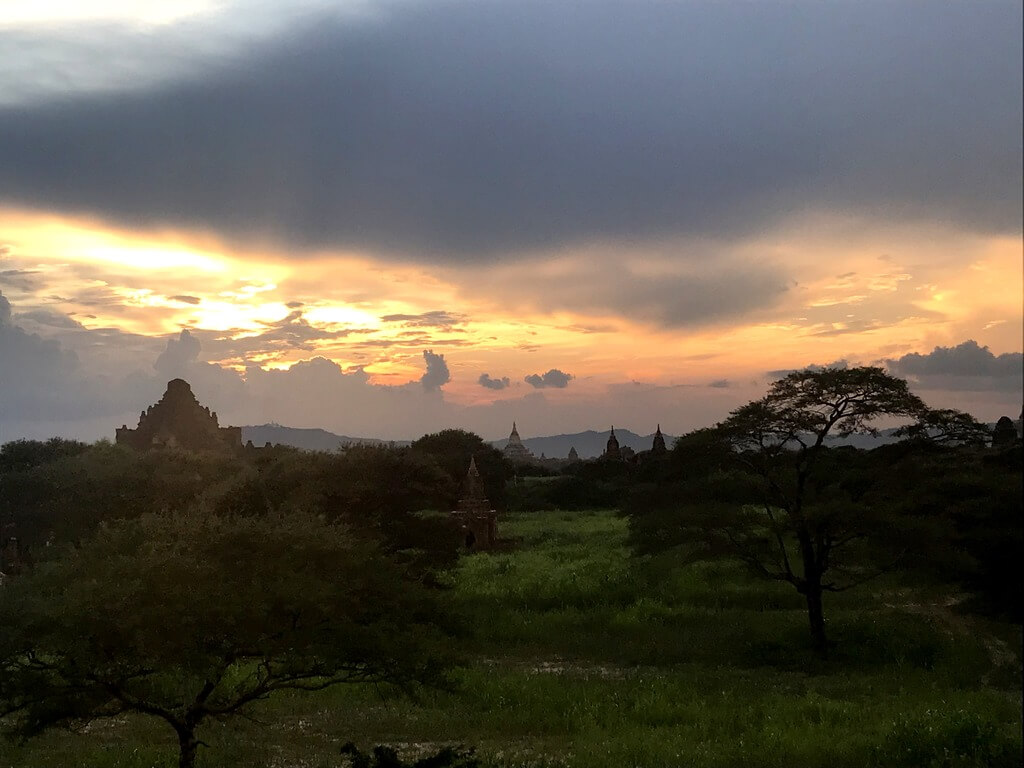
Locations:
{"points": [[179, 421], [474, 515]]}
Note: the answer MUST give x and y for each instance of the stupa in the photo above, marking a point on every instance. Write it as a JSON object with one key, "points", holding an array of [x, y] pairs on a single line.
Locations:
{"points": [[515, 450]]}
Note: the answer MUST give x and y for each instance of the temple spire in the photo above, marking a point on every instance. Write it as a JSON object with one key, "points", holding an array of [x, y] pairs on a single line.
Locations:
{"points": [[611, 450], [658, 447]]}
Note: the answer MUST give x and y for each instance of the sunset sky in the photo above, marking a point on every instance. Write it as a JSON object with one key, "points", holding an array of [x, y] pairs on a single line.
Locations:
{"points": [[387, 218]]}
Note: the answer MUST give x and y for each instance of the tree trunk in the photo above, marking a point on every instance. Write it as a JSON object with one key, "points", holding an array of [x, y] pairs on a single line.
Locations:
{"points": [[816, 616], [188, 745]]}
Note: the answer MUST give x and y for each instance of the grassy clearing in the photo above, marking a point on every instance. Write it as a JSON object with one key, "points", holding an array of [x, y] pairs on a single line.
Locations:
{"points": [[581, 657]]}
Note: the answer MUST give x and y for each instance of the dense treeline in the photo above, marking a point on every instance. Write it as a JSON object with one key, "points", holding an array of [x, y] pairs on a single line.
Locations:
{"points": [[60, 491], [187, 586]]}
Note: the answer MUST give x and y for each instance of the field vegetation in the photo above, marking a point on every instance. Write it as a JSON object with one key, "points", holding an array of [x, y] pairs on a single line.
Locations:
{"points": [[578, 654]]}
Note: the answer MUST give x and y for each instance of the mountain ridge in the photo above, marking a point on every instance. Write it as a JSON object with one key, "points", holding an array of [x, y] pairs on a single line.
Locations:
{"points": [[588, 444]]}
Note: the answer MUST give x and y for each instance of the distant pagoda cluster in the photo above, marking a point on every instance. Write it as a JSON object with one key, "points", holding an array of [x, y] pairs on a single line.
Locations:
{"points": [[179, 421], [516, 451]]}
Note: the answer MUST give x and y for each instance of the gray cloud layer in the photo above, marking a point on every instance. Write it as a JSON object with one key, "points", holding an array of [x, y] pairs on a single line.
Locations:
{"points": [[485, 380], [437, 373], [464, 130], [553, 378], [181, 353], [965, 366]]}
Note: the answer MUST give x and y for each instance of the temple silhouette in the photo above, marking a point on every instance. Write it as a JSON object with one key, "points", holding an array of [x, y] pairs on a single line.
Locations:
{"points": [[179, 421], [515, 450]]}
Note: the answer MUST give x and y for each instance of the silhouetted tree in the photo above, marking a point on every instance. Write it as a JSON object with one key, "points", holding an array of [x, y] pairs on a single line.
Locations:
{"points": [[453, 448], [945, 426], [67, 496], [20, 455], [771, 495], [374, 490], [961, 509], [191, 618]]}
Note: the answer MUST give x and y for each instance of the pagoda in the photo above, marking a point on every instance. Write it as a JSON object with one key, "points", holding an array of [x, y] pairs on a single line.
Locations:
{"points": [[658, 447], [515, 450], [611, 450], [179, 421], [474, 515]]}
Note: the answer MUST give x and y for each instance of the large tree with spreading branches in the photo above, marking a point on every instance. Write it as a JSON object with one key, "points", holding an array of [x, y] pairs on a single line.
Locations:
{"points": [[188, 618], [769, 488]]}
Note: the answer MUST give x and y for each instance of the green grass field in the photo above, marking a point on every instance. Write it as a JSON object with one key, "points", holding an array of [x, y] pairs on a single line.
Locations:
{"points": [[579, 656]]}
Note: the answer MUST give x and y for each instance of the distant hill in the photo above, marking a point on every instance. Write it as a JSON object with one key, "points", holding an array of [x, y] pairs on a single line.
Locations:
{"points": [[587, 444], [308, 439]]}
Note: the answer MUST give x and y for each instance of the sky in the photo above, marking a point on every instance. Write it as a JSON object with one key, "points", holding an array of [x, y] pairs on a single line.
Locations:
{"points": [[388, 218]]}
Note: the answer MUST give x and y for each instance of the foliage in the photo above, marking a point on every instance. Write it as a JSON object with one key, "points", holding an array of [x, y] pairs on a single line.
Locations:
{"points": [[188, 618], [770, 493], [945, 426], [452, 449], [26, 454], [374, 490], [584, 657], [967, 506], [65, 497]]}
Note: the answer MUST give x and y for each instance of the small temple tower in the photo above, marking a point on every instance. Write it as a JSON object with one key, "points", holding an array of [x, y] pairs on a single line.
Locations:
{"points": [[611, 450], [474, 515], [573, 456], [658, 447], [515, 450]]}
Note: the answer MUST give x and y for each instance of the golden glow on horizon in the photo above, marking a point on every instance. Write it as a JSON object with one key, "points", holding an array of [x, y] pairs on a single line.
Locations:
{"points": [[341, 315], [859, 297]]}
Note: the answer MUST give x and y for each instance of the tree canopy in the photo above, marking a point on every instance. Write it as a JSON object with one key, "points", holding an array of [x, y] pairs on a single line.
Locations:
{"points": [[768, 487], [191, 617]]}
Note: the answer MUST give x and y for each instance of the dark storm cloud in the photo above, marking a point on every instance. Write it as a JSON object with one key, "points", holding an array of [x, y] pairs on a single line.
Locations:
{"points": [[467, 130], [717, 289], [485, 380], [553, 378], [965, 366], [437, 373]]}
